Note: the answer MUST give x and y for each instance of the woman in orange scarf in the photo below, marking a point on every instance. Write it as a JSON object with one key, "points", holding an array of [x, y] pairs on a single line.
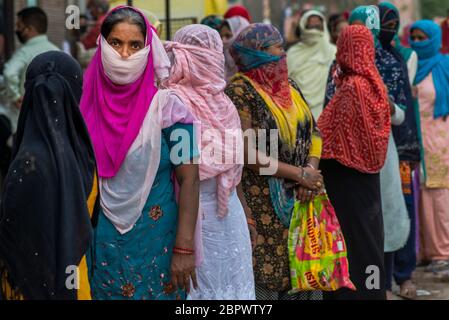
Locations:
{"points": [[355, 128]]}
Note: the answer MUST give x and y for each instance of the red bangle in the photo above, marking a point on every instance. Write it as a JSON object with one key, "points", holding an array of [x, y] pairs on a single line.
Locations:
{"points": [[183, 251], [251, 222]]}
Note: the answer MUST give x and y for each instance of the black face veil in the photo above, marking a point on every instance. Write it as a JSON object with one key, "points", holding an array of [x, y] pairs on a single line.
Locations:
{"points": [[45, 224]]}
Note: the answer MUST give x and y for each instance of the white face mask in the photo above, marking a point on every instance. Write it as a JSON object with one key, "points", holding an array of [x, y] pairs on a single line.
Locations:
{"points": [[312, 36], [120, 70]]}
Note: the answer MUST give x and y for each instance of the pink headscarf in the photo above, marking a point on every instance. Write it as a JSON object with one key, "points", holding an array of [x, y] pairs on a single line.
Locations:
{"points": [[197, 76], [114, 113]]}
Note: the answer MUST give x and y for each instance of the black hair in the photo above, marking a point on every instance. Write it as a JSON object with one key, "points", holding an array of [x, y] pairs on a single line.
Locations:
{"points": [[123, 15], [335, 20], [225, 23], [35, 17]]}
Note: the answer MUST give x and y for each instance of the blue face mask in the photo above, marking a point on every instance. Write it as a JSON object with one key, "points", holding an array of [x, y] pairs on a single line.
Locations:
{"points": [[431, 47], [432, 61], [425, 49], [251, 59]]}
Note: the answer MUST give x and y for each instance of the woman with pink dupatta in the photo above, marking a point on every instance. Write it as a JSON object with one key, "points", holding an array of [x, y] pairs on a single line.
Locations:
{"points": [[197, 76], [144, 239]]}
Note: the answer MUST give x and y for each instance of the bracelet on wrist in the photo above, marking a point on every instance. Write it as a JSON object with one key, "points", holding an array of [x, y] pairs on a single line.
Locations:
{"points": [[179, 250], [251, 222], [184, 253], [304, 174]]}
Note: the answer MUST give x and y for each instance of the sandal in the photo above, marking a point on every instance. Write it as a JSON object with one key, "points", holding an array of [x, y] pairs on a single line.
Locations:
{"points": [[408, 290]]}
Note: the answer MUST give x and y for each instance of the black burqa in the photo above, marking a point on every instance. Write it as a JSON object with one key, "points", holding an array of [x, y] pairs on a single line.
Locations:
{"points": [[406, 134], [45, 224]]}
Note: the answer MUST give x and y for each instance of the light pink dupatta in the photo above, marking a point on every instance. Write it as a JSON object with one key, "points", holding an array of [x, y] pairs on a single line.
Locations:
{"points": [[197, 76]]}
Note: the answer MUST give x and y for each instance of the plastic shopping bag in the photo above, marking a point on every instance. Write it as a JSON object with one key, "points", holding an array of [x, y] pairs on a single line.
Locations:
{"points": [[317, 249]]}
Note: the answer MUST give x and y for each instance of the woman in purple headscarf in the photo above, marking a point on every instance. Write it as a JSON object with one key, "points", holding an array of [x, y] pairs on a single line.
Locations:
{"points": [[144, 243]]}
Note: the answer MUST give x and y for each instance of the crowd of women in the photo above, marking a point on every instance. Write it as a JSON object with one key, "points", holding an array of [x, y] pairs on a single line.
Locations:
{"points": [[111, 173]]}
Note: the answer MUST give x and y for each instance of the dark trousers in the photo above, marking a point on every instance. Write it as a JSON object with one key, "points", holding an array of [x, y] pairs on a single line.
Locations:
{"points": [[401, 264], [357, 202]]}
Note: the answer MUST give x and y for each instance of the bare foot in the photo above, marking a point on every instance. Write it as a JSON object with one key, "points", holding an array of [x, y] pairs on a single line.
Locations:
{"points": [[390, 295], [408, 290]]}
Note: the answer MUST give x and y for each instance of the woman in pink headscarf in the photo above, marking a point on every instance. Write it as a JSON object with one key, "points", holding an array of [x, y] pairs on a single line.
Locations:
{"points": [[197, 76], [229, 31], [144, 243]]}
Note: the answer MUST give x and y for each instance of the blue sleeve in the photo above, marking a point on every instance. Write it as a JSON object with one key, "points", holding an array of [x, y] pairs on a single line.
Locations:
{"points": [[181, 141]]}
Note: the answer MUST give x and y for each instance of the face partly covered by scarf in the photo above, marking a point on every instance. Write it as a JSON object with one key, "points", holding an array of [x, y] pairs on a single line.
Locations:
{"points": [[197, 77], [355, 126], [236, 25], [309, 60], [389, 23], [313, 36], [432, 61], [268, 71], [117, 94]]}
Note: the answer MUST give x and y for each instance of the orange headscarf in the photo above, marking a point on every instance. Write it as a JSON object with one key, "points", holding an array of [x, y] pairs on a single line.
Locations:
{"points": [[355, 126]]}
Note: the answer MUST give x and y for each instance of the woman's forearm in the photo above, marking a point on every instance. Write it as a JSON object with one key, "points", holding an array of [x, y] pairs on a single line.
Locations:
{"points": [[260, 162], [314, 162], [188, 205], [306, 177], [242, 199], [284, 170]]}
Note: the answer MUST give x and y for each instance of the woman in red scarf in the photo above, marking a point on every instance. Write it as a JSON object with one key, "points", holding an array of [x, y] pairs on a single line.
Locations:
{"points": [[355, 128]]}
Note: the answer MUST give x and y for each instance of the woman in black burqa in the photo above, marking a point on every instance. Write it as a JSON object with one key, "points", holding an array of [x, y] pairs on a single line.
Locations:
{"points": [[49, 194]]}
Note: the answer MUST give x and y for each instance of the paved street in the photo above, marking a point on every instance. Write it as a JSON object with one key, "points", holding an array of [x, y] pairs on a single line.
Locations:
{"points": [[427, 282]]}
